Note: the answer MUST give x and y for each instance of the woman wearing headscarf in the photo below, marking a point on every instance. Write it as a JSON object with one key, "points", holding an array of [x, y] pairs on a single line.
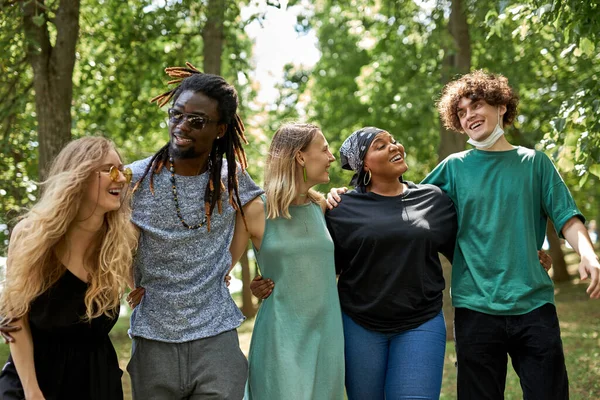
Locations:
{"points": [[387, 235]]}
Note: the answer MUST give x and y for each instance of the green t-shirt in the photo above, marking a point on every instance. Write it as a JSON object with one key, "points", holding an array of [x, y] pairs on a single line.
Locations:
{"points": [[502, 200]]}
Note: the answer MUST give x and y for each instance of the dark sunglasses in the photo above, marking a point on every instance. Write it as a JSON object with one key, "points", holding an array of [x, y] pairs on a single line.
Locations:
{"points": [[113, 173], [194, 121]]}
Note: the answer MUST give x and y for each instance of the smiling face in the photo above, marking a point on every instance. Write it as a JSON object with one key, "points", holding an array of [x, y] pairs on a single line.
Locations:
{"points": [[478, 118], [316, 158], [189, 142], [385, 158], [103, 194]]}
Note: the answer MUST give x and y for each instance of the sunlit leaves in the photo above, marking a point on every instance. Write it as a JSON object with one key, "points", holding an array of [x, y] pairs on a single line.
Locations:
{"points": [[122, 51]]}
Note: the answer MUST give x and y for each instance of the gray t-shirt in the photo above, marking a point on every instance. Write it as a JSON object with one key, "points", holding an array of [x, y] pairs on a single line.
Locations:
{"points": [[183, 269]]}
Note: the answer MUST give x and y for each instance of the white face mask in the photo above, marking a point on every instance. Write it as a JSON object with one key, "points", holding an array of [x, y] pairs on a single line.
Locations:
{"points": [[490, 140]]}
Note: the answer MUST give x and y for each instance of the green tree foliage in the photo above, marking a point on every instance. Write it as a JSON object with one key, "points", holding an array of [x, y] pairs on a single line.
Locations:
{"points": [[38, 41], [122, 51], [373, 71], [18, 156], [382, 64], [560, 94]]}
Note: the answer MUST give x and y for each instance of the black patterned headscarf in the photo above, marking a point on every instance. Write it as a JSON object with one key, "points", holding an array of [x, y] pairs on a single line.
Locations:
{"points": [[353, 151]]}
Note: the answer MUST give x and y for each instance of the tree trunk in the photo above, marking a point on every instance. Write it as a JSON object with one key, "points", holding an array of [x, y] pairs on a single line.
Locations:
{"points": [[248, 308], [52, 73], [559, 266], [457, 61], [213, 36]]}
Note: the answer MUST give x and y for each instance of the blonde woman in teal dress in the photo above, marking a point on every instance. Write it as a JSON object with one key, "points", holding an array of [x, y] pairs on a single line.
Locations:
{"points": [[297, 348]]}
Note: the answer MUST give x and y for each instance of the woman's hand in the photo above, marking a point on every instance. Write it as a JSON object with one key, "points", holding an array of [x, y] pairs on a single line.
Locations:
{"points": [[333, 197]]}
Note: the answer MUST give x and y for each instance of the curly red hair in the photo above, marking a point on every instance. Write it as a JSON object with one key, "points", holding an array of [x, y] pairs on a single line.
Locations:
{"points": [[477, 85]]}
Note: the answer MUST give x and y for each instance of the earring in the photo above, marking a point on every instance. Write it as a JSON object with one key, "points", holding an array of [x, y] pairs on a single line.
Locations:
{"points": [[304, 173], [365, 180]]}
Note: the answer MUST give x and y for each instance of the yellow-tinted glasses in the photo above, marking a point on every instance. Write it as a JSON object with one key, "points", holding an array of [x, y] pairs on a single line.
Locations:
{"points": [[113, 173]]}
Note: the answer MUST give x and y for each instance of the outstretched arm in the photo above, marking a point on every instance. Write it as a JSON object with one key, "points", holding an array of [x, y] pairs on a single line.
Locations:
{"points": [[589, 267]]}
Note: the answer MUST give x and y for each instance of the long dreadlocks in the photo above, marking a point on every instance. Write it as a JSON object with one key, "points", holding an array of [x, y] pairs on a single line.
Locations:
{"points": [[230, 145]]}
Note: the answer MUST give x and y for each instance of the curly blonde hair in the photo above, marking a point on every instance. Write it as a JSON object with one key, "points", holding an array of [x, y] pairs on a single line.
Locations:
{"points": [[32, 265], [281, 167], [478, 85]]}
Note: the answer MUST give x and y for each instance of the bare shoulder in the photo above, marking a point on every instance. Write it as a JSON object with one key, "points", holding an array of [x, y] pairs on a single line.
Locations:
{"points": [[254, 207], [254, 213]]}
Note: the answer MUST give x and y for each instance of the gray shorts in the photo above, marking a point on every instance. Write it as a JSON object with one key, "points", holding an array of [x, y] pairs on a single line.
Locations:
{"points": [[209, 368]]}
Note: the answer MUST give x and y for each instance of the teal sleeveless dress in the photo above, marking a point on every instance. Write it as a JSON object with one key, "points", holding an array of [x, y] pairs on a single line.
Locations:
{"points": [[297, 347]]}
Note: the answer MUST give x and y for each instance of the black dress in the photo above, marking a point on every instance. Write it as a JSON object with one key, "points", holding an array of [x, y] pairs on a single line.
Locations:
{"points": [[73, 359]]}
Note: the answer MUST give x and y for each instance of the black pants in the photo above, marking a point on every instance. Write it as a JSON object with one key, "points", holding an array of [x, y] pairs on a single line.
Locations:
{"points": [[533, 342]]}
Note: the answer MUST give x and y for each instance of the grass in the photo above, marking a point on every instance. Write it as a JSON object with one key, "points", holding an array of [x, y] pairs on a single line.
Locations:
{"points": [[579, 321]]}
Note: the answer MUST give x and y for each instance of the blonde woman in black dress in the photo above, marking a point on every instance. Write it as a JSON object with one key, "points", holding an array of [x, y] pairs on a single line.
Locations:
{"points": [[68, 264]]}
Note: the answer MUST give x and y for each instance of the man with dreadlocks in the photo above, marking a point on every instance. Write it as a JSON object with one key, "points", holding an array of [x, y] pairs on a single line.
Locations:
{"points": [[185, 342]]}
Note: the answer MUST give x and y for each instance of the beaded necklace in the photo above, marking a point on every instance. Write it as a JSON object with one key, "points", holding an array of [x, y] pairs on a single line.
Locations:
{"points": [[177, 208]]}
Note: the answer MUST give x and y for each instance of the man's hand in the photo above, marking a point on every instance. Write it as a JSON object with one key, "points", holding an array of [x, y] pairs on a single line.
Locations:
{"points": [[135, 296], [333, 197], [590, 268], [227, 280], [261, 288], [545, 260], [6, 329], [578, 237]]}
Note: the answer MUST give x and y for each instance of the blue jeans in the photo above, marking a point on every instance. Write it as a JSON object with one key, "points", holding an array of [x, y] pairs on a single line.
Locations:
{"points": [[405, 365], [533, 342]]}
